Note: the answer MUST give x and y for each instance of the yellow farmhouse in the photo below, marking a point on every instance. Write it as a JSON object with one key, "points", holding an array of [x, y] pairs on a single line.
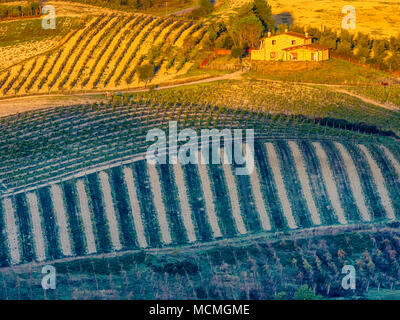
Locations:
{"points": [[290, 46]]}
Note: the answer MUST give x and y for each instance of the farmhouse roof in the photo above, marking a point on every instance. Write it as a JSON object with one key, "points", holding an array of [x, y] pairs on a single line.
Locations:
{"points": [[311, 46], [291, 33], [297, 34]]}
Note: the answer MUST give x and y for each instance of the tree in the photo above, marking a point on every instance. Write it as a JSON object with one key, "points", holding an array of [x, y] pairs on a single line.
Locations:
{"points": [[263, 11], [146, 72], [237, 52], [249, 30], [394, 62], [206, 7], [245, 31], [305, 293], [344, 48], [379, 48], [282, 28]]}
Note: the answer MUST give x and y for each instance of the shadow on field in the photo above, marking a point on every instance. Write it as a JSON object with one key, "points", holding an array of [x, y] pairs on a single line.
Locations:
{"points": [[283, 18]]}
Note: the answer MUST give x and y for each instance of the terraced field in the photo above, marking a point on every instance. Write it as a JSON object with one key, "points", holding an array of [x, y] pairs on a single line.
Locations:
{"points": [[56, 142], [76, 192], [131, 204], [291, 99], [104, 54], [74, 181]]}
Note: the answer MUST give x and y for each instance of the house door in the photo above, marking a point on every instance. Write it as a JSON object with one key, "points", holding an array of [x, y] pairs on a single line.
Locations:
{"points": [[313, 56]]}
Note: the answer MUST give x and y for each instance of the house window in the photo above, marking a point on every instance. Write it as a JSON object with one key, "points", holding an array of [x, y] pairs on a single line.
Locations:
{"points": [[293, 42], [293, 56], [273, 42], [273, 55]]}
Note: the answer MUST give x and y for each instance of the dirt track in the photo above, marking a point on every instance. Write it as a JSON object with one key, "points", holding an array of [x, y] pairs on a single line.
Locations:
{"points": [[339, 88], [15, 105]]}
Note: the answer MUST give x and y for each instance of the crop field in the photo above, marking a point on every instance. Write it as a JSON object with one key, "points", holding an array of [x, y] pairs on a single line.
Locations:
{"points": [[137, 205], [104, 54], [385, 94], [81, 186], [321, 183], [24, 39], [55, 142], [286, 98]]}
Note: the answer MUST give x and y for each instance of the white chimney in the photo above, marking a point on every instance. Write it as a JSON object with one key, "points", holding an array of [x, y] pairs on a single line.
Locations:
{"points": [[306, 34], [286, 30], [269, 34]]}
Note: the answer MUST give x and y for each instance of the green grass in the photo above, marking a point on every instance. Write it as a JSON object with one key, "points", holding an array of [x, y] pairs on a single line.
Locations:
{"points": [[194, 71], [384, 94], [383, 294], [20, 31], [287, 98], [333, 71]]}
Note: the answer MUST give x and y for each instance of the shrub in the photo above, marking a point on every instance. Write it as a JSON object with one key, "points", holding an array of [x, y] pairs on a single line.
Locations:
{"points": [[237, 52]]}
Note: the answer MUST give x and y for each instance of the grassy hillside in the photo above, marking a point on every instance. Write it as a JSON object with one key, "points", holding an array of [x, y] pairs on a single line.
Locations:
{"points": [[284, 98], [77, 192], [329, 14], [333, 71], [27, 30], [42, 144], [156, 7], [83, 172]]}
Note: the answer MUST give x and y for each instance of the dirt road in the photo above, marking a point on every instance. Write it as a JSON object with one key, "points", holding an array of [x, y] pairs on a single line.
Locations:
{"points": [[15, 105]]}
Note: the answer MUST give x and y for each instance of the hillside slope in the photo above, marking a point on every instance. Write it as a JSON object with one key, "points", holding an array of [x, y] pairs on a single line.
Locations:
{"points": [[328, 13], [132, 204], [105, 54], [74, 180]]}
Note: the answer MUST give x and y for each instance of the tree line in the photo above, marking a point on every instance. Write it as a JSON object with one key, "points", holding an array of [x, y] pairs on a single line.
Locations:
{"points": [[132, 4], [32, 9], [383, 54]]}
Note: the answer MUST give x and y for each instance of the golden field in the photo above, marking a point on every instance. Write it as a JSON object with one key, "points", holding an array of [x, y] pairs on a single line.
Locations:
{"points": [[104, 54], [378, 18]]}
